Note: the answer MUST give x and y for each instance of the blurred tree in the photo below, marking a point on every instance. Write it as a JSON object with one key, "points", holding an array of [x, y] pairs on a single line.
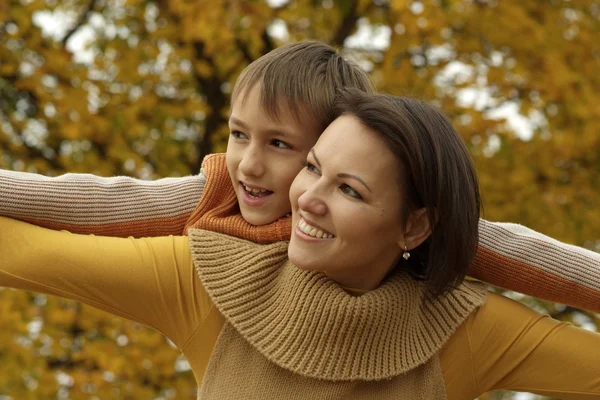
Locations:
{"points": [[141, 88]]}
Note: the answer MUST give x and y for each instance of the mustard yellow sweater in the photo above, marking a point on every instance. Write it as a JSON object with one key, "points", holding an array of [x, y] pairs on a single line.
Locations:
{"points": [[502, 345]]}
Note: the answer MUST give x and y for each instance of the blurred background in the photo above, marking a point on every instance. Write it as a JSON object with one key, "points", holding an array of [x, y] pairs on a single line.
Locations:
{"points": [[141, 88]]}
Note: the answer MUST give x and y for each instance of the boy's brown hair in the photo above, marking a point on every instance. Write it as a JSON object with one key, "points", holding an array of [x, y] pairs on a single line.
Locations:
{"points": [[303, 78]]}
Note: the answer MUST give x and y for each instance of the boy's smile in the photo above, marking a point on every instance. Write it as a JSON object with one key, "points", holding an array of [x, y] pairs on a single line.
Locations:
{"points": [[255, 196], [264, 155]]}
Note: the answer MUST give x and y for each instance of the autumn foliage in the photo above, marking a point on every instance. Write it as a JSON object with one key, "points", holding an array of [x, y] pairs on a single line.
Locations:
{"points": [[141, 88]]}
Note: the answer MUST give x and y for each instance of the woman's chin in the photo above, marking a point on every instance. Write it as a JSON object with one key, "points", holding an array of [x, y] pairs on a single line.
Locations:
{"points": [[307, 267], [302, 262]]}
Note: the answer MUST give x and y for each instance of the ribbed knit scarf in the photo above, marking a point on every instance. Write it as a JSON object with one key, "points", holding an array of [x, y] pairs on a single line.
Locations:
{"points": [[218, 209], [293, 334]]}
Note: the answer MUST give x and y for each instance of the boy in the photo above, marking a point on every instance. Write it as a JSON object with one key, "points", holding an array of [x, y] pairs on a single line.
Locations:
{"points": [[280, 104]]}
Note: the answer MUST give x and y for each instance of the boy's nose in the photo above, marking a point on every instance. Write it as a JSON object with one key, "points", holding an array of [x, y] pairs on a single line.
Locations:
{"points": [[252, 163]]}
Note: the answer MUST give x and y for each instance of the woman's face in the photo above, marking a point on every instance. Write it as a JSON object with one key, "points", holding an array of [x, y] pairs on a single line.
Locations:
{"points": [[347, 207]]}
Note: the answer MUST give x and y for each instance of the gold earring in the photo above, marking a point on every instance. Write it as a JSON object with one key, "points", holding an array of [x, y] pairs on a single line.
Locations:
{"points": [[406, 254]]}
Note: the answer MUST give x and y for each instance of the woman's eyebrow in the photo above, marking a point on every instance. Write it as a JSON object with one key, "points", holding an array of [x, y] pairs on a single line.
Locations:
{"points": [[341, 174], [350, 176]]}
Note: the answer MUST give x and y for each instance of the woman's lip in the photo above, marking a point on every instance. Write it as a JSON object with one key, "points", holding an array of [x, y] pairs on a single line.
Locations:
{"points": [[307, 238], [304, 236], [309, 222]]}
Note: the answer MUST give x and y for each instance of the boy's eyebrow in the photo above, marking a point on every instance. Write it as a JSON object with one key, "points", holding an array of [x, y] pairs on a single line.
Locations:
{"points": [[243, 125], [238, 122], [341, 174]]}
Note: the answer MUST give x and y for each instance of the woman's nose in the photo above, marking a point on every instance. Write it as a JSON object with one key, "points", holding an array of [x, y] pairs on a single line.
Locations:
{"points": [[313, 201]]}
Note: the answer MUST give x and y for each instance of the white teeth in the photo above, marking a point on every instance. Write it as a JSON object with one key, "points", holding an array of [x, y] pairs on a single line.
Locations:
{"points": [[251, 190], [312, 231]]}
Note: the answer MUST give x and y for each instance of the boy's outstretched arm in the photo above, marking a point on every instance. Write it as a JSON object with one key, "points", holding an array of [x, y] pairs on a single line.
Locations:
{"points": [[515, 257], [84, 203]]}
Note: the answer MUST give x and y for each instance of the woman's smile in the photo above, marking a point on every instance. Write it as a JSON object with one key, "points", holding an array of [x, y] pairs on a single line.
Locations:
{"points": [[309, 231]]}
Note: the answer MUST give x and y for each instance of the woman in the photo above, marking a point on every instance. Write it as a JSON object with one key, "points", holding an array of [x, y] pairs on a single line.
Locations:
{"points": [[370, 303]]}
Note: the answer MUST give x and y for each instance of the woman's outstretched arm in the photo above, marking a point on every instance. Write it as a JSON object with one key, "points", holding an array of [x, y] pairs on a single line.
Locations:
{"points": [[506, 345], [515, 257], [83, 203], [151, 281]]}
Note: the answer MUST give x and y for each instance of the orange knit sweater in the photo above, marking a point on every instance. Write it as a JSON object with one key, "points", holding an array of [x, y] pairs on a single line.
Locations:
{"points": [[218, 209]]}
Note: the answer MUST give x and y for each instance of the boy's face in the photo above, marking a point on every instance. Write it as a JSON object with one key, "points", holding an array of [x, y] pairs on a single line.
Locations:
{"points": [[264, 156]]}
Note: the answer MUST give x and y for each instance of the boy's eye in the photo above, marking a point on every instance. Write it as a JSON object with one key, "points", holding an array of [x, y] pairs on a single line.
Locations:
{"points": [[310, 167], [238, 135], [280, 145], [348, 190]]}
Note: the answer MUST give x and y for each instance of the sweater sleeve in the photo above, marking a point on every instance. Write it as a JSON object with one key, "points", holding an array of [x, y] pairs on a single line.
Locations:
{"points": [[83, 203], [514, 257], [505, 345], [151, 281]]}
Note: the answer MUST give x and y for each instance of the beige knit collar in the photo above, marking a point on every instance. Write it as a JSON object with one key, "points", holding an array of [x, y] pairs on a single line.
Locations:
{"points": [[304, 322]]}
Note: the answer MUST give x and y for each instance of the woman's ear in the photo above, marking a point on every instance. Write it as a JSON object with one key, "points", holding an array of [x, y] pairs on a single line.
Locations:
{"points": [[418, 229]]}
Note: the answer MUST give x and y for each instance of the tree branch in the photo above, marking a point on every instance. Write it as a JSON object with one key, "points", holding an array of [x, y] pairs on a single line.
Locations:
{"points": [[347, 25], [82, 21], [216, 99], [268, 44], [4, 11], [244, 49]]}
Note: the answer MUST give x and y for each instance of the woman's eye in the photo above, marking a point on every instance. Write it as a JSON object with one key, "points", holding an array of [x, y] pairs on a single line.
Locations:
{"points": [[280, 145], [238, 135], [350, 192], [310, 167]]}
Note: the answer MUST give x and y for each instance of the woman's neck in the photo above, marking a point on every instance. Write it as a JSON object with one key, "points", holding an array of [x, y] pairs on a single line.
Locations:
{"points": [[356, 281]]}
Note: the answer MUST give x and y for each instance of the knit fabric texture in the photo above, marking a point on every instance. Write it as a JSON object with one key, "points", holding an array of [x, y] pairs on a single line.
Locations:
{"points": [[305, 323], [218, 209], [237, 371]]}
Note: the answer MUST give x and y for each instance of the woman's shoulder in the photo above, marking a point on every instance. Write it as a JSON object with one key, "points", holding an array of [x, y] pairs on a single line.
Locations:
{"points": [[471, 360]]}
